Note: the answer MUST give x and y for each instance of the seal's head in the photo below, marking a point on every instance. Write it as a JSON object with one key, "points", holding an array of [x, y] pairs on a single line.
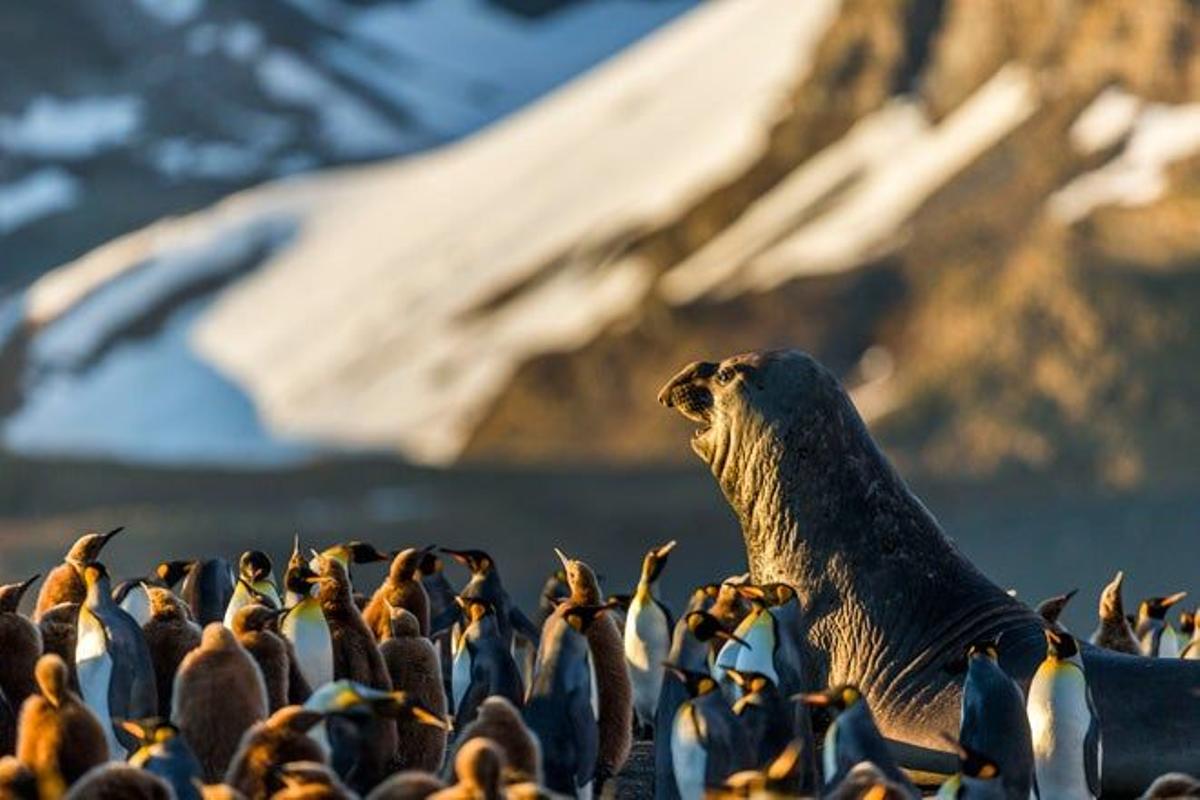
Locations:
{"points": [[754, 404]]}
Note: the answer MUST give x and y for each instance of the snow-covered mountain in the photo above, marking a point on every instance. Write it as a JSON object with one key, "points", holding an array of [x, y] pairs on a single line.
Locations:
{"points": [[982, 215], [117, 113]]}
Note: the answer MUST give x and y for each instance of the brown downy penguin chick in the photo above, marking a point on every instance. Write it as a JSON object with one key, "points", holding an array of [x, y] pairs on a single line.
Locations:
{"points": [[414, 668], [59, 738], [412, 784], [310, 780], [252, 625], [119, 781], [479, 767], [499, 720], [402, 588], [17, 781], [59, 627], [1114, 631], [218, 695], [614, 689], [355, 654], [20, 645], [65, 583], [279, 739], [170, 634]]}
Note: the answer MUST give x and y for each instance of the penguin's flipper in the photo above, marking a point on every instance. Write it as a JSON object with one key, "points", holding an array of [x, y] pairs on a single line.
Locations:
{"points": [[523, 625], [585, 734], [1093, 750], [443, 622], [467, 708]]}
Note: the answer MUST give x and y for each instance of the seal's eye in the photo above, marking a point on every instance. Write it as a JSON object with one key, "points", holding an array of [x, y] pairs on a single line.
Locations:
{"points": [[725, 375]]}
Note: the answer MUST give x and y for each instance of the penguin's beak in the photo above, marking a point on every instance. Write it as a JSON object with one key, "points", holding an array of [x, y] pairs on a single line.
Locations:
{"points": [[813, 698], [729, 637], [566, 562], [132, 728], [295, 545], [665, 550], [1171, 600], [427, 717], [457, 555], [24, 586], [106, 537]]}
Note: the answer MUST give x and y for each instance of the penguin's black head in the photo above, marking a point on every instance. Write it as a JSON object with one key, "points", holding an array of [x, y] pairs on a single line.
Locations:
{"points": [[172, 572], [474, 608], [87, 547], [152, 730], [698, 684], [11, 594], [835, 698], [257, 617], [364, 553], [1060, 645], [299, 575], [984, 648], [1156, 607], [479, 562], [656, 560], [581, 617], [778, 594], [705, 627], [1187, 623], [429, 564], [402, 705], [619, 601], [750, 682], [254, 566]]}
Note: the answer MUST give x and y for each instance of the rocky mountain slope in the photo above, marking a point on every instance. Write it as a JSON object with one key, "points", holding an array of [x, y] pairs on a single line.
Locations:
{"points": [[983, 215]]}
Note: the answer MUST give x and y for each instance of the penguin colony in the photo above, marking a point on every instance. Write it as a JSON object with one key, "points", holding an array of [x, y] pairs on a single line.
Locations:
{"points": [[204, 681]]}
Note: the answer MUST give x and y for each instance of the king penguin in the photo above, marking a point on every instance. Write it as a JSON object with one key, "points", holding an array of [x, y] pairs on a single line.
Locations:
{"points": [[852, 737], [759, 630], [112, 660], [65, 583], [218, 695], [279, 739], [413, 666], [482, 665], [765, 714], [164, 752], [59, 737], [207, 588], [614, 692], [648, 629], [1067, 750], [1051, 608], [978, 776], [708, 743], [171, 635], [1155, 634], [256, 580], [304, 625], [696, 637], [20, 644], [485, 584], [561, 709], [994, 720], [402, 588], [1114, 631]]}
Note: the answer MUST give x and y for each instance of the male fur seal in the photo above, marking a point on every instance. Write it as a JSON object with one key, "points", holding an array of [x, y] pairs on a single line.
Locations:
{"points": [[888, 600]]}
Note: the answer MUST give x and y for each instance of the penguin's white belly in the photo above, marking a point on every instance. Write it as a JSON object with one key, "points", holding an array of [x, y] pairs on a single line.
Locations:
{"points": [[760, 655], [727, 658], [593, 685], [306, 629], [829, 751], [137, 605], [460, 676], [1059, 719], [94, 667], [689, 759], [239, 599], [647, 644]]}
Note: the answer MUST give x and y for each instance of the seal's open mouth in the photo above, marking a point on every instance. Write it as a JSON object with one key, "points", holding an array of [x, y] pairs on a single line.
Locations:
{"points": [[692, 401]]}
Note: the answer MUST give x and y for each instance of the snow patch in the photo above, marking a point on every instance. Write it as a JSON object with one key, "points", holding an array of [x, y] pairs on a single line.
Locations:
{"points": [[864, 217], [1137, 176], [39, 194], [71, 128], [1106, 121], [348, 125]]}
